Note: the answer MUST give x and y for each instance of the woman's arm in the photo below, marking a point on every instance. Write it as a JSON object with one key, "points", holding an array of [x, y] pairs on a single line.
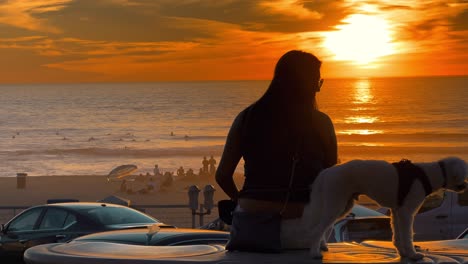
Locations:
{"points": [[328, 136], [229, 160]]}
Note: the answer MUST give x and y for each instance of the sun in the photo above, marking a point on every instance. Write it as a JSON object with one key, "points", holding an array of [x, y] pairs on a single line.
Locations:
{"points": [[362, 39]]}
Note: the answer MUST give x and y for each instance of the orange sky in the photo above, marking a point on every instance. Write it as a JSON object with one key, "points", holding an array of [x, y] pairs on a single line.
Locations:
{"points": [[180, 40]]}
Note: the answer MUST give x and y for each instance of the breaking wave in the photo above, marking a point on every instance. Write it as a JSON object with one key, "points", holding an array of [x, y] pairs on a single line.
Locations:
{"points": [[125, 152]]}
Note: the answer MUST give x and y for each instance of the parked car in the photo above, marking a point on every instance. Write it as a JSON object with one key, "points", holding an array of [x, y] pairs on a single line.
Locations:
{"points": [[60, 222], [361, 224], [164, 237], [382, 252], [443, 215]]}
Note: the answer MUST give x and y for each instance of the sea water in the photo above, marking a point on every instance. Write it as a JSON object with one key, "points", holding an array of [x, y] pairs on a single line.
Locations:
{"points": [[88, 129]]}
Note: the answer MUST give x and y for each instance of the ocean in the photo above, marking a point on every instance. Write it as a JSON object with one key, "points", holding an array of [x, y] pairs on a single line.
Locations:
{"points": [[89, 129]]}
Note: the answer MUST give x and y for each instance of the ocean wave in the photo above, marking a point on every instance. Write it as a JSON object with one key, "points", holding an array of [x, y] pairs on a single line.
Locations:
{"points": [[124, 152], [405, 136], [200, 138]]}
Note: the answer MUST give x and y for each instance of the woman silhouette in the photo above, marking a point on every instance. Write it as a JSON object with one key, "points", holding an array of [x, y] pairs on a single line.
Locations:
{"points": [[282, 130]]}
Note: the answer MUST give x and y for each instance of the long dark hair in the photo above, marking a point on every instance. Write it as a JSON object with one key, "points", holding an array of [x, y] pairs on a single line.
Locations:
{"points": [[288, 105], [295, 80]]}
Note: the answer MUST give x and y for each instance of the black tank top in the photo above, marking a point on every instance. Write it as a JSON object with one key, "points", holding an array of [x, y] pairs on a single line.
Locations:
{"points": [[268, 150]]}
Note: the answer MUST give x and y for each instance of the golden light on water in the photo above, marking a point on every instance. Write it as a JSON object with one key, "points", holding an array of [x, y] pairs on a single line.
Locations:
{"points": [[362, 96], [360, 132], [362, 92], [362, 39], [361, 119]]}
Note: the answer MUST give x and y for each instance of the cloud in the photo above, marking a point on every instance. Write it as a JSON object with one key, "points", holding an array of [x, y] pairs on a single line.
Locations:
{"points": [[231, 53], [25, 14], [196, 39], [290, 7]]}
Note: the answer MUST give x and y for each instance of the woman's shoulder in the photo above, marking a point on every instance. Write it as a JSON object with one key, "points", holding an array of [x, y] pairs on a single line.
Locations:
{"points": [[322, 117]]}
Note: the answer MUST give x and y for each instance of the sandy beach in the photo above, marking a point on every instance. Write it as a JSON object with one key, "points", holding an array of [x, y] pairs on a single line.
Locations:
{"points": [[91, 188]]}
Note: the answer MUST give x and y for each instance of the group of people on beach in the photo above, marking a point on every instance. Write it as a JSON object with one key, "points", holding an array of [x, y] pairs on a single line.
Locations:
{"points": [[160, 181]]}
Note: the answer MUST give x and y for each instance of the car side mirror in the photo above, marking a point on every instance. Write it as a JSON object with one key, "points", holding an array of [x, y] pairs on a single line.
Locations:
{"points": [[2, 229]]}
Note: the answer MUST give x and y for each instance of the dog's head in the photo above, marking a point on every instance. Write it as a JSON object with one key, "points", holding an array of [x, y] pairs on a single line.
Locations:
{"points": [[457, 174]]}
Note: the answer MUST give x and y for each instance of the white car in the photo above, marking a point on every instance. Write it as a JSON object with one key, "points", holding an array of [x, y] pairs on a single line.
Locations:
{"points": [[444, 215], [382, 252]]}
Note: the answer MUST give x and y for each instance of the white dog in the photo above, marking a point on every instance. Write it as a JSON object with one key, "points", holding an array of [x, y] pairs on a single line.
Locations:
{"points": [[334, 188]]}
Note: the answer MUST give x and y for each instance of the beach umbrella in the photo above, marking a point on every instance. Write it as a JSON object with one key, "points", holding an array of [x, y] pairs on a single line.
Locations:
{"points": [[122, 171]]}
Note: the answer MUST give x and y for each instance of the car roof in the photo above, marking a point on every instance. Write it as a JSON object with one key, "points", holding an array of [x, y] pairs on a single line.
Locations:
{"points": [[80, 205], [84, 205]]}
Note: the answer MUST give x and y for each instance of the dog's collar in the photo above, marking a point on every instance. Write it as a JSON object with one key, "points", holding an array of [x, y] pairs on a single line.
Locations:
{"points": [[444, 173]]}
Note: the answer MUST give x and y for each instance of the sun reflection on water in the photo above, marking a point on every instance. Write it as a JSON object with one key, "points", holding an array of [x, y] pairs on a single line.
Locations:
{"points": [[361, 132], [362, 97], [361, 119], [362, 92]]}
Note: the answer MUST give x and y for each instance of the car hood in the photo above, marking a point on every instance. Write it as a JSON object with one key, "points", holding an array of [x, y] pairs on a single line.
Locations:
{"points": [[454, 247], [99, 252], [138, 236]]}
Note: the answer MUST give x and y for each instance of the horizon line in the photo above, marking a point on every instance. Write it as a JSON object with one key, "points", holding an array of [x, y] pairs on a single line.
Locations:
{"points": [[232, 80]]}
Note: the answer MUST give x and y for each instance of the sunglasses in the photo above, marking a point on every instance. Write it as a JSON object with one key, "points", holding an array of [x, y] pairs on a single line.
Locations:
{"points": [[320, 83]]}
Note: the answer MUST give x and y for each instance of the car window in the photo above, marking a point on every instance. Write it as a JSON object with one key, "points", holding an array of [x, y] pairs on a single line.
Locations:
{"points": [[432, 201], [55, 218], [118, 215], [70, 220], [25, 221], [463, 198]]}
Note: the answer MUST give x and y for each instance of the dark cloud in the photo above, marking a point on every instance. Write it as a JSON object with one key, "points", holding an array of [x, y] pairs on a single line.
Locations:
{"points": [[394, 7], [125, 20], [7, 31], [90, 19], [251, 15], [460, 22]]}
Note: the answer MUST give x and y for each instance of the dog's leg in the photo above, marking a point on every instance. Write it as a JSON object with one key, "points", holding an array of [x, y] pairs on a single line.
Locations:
{"points": [[312, 215], [395, 224], [331, 210], [404, 229], [326, 236]]}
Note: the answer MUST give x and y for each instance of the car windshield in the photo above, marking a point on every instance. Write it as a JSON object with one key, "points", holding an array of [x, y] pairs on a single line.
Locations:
{"points": [[118, 215], [361, 211]]}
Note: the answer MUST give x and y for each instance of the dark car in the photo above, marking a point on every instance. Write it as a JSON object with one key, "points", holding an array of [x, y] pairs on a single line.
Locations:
{"points": [[163, 237], [61, 222]]}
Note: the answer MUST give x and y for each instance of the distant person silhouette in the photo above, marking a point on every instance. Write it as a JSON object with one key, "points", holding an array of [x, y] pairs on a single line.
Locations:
{"points": [[181, 172], [284, 127], [212, 164], [205, 164], [190, 174], [156, 170]]}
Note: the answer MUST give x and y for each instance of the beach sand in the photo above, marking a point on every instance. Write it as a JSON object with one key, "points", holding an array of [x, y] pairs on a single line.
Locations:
{"points": [[91, 188]]}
